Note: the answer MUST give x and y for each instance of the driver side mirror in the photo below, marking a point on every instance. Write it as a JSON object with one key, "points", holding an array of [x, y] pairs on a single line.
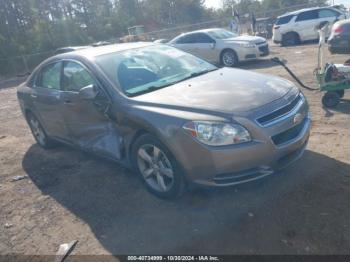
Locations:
{"points": [[88, 93], [212, 45]]}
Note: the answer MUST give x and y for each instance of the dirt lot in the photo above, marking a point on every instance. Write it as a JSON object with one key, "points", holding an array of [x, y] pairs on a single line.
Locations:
{"points": [[71, 195]]}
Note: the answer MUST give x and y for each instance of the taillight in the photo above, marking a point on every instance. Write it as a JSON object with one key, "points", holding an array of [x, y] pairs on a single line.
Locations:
{"points": [[338, 29]]}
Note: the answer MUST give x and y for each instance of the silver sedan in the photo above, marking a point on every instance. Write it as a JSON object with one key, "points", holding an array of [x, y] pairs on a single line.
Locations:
{"points": [[220, 46], [172, 117]]}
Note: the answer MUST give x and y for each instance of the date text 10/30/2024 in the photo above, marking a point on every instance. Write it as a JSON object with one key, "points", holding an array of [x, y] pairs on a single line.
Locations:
{"points": [[173, 258]]}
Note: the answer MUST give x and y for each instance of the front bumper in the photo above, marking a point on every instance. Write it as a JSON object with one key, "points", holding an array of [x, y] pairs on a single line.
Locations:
{"points": [[236, 164], [247, 54]]}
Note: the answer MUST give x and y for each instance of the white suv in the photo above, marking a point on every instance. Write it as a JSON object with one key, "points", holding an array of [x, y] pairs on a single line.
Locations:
{"points": [[299, 26]]}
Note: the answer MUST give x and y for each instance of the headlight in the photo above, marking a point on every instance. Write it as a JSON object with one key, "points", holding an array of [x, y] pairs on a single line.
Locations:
{"points": [[216, 133], [246, 45]]}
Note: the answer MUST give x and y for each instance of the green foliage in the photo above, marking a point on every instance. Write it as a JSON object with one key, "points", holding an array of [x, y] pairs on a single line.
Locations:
{"points": [[30, 26]]}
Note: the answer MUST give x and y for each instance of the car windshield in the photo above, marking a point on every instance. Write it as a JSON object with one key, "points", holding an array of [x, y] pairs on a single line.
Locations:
{"points": [[143, 70], [222, 34]]}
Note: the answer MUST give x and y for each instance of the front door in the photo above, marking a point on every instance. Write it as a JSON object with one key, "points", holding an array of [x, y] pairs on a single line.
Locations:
{"points": [[200, 45], [205, 47], [87, 123]]}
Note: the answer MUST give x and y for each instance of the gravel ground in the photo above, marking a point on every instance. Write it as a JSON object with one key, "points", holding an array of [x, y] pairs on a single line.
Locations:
{"points": [[68, 195]]}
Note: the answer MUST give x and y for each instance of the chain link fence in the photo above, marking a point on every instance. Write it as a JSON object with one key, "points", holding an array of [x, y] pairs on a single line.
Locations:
{"points": [[170, 33], [24, 64]]}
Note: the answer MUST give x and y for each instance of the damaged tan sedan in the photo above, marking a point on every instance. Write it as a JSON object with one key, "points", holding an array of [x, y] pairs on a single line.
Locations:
{"points": [[170, 115]]}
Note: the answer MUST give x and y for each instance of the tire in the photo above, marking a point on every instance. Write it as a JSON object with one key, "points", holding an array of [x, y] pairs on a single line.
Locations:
{"points": [[229, 58], [331, 99], [341, 93], [290, 39], [39, 133], [157, 168]]}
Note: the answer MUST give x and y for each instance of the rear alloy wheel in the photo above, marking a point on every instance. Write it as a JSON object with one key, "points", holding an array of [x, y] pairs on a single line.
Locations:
{"points": [[331, 99], [290, 39], [39, 133], [157, 167], [229, 58]]}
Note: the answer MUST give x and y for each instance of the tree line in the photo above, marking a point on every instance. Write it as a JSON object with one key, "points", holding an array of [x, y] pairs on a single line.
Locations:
{"points": [[31, 26]]}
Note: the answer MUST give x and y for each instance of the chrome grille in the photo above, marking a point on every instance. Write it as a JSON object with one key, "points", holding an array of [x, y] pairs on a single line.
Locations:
{"points": [[289, 134], [275, 115]]}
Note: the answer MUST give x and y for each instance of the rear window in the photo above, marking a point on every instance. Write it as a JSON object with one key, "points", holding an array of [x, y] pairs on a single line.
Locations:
{"points": [[284, 20], [323, 13], [309, 15]]}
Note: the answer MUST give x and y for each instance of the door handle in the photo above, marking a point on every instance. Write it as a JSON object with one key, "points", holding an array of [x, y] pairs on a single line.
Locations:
{"points": [[33, 96], [67, 102]]}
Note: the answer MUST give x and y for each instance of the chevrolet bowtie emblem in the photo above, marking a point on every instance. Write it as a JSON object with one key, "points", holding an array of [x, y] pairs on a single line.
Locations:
{"points": [[297, 119]]}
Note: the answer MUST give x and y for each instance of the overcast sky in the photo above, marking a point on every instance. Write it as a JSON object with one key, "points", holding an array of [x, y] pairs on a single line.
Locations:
{"points": [[218, 3]]}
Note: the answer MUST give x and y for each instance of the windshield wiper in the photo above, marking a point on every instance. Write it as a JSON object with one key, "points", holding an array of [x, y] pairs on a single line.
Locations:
{"points": [[147, 90], [154, 88], [195, 74], [201, 73]]}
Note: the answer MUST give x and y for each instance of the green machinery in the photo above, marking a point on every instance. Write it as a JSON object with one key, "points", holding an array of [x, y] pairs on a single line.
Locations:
{"points": [[331, 78]]}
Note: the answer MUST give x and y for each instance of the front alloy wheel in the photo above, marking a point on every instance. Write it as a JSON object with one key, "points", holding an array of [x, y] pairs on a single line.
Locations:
{"points": [[229, 58], [157, 167]]}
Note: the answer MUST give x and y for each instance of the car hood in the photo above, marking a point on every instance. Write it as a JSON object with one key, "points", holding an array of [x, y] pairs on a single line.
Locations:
{"points": [[246, 38], [225, 90]]}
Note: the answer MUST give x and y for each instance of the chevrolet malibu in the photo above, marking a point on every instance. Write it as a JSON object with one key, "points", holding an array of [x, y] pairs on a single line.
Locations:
{"points": [[171, 116], [220, 46]]}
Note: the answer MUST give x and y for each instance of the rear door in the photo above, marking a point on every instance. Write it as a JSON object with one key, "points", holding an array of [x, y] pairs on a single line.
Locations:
{"points": [[306, 25], [87, 121], [46, 97]]}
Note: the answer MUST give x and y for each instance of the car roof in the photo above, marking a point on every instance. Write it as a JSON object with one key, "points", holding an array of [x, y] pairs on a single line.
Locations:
{"points": [[208, 30], [73, 47], [92, 52], [67, 49], [304, 10]]}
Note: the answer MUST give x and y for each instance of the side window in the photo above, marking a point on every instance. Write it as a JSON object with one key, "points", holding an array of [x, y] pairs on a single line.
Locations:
{"points": [[323, 13], [50, 76], [75, 77], [180, 40], [32, 81], [308, 15], [203, 39], [284, 20], [187, 39]]}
